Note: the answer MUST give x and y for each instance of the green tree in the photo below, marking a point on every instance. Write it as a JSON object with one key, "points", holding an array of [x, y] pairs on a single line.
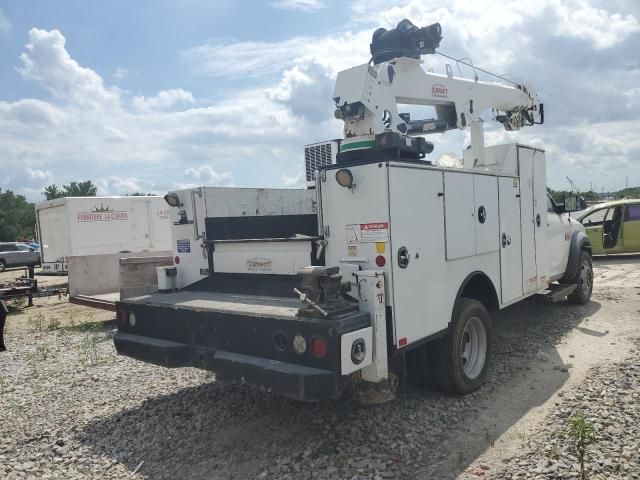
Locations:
{"points": [[633, 192], [74, 189], [17, 217]]}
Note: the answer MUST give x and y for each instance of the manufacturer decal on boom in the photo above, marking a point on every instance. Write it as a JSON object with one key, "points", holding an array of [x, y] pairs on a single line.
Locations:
{"points": [[439, 91]]}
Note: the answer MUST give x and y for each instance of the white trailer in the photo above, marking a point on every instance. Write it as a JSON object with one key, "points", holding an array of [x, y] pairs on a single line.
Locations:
{"points": [[78, 226], [407, 259]]}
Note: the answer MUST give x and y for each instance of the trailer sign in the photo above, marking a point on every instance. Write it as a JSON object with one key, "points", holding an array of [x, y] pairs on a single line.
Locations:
{"points": [[184, 246], [368, 233]]}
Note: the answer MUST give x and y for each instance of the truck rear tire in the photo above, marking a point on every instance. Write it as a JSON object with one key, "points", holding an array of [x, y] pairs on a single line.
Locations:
{"points": [[583, 279], [3, 266], [460, 359]]}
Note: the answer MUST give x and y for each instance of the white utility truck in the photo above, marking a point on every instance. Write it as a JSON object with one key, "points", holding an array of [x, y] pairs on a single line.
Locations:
{"points": [[73, 226], [398, 262]]}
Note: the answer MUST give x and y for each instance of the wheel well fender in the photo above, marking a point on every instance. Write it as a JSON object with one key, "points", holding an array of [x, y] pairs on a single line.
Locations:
{"points": [[479, 286], [579, 241]]}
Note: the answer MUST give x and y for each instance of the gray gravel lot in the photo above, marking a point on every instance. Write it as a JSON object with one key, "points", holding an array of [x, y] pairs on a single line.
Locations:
{"points": [[71, 408], [610, 401]]}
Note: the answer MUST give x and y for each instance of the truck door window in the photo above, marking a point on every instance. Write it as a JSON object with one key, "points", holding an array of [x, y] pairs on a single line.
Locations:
{"points": [[595, 218], [611, 227], [633, 213]]}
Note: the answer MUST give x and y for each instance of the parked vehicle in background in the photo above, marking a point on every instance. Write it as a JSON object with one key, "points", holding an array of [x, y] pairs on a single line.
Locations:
{"points": [[613, 227], [16, 254]]}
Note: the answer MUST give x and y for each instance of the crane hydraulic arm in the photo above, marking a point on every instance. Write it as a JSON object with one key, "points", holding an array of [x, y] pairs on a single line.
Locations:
{"points": [[367, 97]]}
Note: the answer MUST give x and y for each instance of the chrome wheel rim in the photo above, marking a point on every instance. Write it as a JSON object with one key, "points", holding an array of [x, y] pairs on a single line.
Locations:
{"points": [[473, 347], [586, 277]]}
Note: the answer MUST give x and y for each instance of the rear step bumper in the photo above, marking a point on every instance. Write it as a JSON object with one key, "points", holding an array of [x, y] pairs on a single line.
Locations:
{"points": [[298, 382]]}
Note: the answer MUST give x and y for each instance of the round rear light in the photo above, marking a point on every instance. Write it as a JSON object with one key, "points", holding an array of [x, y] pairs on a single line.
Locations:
{"points": [[132, 319], [299, 344], [177, 260], [381, 261], [319, 347]]}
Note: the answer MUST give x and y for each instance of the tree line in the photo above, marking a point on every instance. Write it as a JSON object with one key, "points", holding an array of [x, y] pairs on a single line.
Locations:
{"points": [[558, 195]]}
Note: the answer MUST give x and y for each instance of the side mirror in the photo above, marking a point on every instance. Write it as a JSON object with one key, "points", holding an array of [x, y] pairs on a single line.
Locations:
{"points": [[572, 203]]}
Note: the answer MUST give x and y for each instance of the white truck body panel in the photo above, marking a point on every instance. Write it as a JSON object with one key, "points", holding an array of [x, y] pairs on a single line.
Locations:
{"points": [[283, 258], [238, 255], [451, 222], [101, 225]]}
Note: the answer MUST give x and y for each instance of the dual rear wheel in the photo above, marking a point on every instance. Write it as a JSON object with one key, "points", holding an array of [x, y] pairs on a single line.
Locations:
{"points": [[458, 362]]}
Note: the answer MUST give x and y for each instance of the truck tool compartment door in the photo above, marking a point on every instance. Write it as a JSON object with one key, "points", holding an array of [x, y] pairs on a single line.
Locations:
{"points": [[485, 195], [510, 236], [532, 210], [417, 242], [459, 215]]}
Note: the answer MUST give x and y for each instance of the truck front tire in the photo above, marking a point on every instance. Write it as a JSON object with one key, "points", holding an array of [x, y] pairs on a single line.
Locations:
{"points": [[583, 280], [460, 359]]}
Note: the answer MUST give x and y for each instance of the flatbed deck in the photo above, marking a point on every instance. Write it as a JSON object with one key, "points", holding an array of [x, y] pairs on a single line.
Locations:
{"points": [[234, 303]]}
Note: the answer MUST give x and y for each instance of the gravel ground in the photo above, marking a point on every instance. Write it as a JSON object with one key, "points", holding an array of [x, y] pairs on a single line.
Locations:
{"points": [[71, 408], [610, 402]]}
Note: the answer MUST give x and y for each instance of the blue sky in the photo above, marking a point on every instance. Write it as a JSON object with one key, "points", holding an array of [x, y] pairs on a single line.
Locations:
{"points": [[156, 95]]}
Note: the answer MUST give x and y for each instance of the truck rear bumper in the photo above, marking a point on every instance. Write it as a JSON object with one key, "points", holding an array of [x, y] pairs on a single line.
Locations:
{"points": [[294, 381]]}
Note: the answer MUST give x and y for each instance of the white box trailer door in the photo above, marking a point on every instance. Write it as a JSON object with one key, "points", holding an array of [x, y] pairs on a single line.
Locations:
{"points": [[510, 239], [53, 230], [417, 231]]}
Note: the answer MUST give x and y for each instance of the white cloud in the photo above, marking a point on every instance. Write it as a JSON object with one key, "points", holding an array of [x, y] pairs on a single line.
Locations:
{"points": [[163, 100], [5, 24], [114, 185], [48, 62], [305, 5], [120, 73], [297, 180], [30, 111], [226, 58], [205, 175], [604, 29]]}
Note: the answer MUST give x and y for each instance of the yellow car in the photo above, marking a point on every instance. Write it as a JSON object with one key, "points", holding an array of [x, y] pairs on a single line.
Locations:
{"points": [[613, 227]]}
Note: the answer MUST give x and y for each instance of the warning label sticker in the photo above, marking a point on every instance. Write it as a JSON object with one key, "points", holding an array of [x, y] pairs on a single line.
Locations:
{"points": [[368, 233], [184, 246]]}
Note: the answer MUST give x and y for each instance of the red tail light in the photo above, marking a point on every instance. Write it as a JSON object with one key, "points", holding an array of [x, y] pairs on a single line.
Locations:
{"points": [[123, 317], [319, 347], [177, 260], [381, 261]]}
